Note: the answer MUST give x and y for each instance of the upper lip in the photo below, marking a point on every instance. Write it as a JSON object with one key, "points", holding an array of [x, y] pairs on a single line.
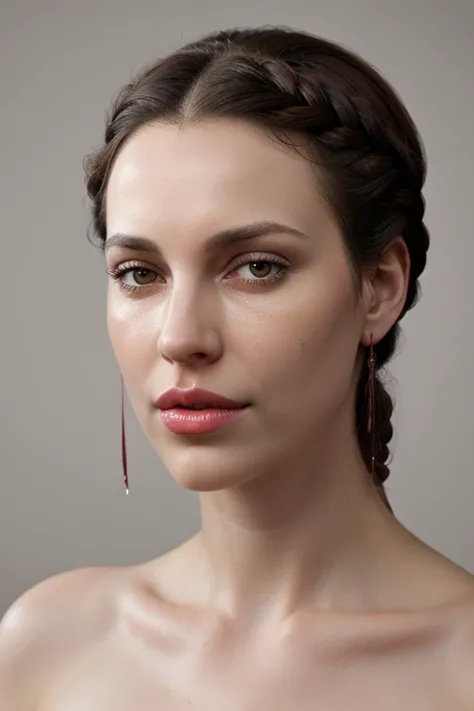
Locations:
{"points": [[195, 396]]}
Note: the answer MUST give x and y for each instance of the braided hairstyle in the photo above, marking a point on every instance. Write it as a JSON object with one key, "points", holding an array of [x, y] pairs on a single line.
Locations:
{"points": [[306, 91]]}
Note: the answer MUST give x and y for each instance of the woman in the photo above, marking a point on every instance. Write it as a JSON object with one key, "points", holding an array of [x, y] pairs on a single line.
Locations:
{"points": [[258, 200]]}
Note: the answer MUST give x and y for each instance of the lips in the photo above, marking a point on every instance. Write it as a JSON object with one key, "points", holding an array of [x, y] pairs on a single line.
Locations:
{"points": [[177, 397]]}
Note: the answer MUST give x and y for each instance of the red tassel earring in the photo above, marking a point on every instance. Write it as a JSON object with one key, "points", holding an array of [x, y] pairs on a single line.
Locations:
{"points": [[371, 399], [124, 445]]}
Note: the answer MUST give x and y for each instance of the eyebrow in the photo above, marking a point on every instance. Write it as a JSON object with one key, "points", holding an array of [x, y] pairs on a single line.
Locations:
{"points": [[222, 238]]}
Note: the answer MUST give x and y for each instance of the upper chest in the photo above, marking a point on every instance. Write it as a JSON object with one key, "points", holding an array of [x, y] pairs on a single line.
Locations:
{"points": [[129, 670]]}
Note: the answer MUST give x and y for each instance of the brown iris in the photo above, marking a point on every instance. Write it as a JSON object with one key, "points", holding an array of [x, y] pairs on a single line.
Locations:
{"points": [[143, 276], [264, 265]]}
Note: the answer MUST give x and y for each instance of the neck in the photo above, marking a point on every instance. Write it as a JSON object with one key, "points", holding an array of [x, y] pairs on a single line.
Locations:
{"points": [[314, 534]]}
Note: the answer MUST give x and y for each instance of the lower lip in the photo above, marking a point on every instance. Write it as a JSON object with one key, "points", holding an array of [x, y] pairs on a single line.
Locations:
{"points": [[181, 421]]}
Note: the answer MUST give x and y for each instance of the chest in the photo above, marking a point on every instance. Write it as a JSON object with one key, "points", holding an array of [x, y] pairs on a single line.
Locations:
{"points": [[118, 677]]}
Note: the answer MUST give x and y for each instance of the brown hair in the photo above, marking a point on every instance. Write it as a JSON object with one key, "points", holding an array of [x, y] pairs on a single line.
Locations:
{"points": [[309, 91]]}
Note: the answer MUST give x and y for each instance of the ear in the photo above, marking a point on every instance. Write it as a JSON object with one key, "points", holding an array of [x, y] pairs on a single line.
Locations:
{"points": [[386, 290]]}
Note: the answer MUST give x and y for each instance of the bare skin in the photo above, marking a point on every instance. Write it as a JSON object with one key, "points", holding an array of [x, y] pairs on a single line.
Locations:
{"points": [[301, 590], [103, 639]]}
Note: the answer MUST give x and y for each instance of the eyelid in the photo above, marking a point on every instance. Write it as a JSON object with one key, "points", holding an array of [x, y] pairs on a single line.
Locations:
{"points": [[258, 257], [130, 264], [243, 258]]}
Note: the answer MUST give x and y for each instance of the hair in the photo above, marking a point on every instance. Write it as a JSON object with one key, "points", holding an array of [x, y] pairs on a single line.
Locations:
{"points": [[302, 89]]}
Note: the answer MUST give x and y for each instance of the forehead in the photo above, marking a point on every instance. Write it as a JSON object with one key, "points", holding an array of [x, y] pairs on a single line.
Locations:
{"points": [[215, 171]]}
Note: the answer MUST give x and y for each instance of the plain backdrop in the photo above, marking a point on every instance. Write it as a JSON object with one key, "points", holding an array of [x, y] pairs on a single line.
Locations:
{"points": [[62, 502]]}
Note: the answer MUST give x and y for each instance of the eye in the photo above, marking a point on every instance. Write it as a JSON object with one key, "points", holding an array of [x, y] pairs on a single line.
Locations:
{"points": [[131, 277], [261, 268], [138, 276]]}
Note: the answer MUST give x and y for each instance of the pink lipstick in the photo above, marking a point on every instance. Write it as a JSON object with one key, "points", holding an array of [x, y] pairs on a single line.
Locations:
{"points": [[197, 411]]}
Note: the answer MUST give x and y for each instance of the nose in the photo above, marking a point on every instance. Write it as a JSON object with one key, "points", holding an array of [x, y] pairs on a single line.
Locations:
{"points": [[189, 332]]}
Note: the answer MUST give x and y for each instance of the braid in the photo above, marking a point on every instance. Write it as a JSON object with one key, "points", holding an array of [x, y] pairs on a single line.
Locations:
{"points": [[383, 429]]}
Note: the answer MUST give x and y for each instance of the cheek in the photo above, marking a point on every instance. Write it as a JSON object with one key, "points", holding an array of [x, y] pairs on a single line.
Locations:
{"points": [[310, 348], [131, 335]]}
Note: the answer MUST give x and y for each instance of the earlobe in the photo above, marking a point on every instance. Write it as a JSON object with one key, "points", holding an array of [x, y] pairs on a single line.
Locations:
{"points": [[370, 327]]}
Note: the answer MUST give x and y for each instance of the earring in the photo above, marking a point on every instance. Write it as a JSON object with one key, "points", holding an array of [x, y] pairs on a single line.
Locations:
{"points": [[371, 398], [124, 445]]}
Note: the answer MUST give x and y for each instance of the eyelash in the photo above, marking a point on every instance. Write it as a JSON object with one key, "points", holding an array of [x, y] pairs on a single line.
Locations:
{"points": [[119, 272]]}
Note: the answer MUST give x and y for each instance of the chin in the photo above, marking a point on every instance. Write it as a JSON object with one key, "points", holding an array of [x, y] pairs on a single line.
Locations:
{"points": [[199, 471]]}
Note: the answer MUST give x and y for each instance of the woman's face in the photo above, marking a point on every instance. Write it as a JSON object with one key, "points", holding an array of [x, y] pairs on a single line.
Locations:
{"points": [[273, 321]]}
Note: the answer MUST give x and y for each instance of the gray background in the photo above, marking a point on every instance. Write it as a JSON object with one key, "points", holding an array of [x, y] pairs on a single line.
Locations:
{"points": [[62, 503]]}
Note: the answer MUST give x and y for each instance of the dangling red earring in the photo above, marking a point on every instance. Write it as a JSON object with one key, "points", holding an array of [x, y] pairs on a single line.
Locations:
{"points": [[371, 398], [124, 445]]}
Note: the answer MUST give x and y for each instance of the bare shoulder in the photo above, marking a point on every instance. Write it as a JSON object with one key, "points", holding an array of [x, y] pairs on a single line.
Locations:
{"points": [[46, 626]]}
